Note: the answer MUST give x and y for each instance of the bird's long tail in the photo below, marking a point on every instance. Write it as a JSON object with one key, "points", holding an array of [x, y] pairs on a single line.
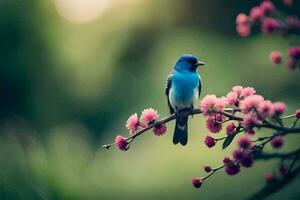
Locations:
{"points": [[181, 131]]}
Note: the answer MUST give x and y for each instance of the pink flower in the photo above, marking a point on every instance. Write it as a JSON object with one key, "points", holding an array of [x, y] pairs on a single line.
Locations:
{"points": [[250, 103], [243, 30], [277, 142], [270, 178], [294, 52], [209, 141], [232, 98], [238, 89], [248, 91], [232, 169], [213, 125], [207, 105], [250, 120], [292, 64], [267, 7], [269, 25], [132, 123], [256, 13], [242, 19], [160, 129], [197, 182], [207, 169], [227, 161], [221, 103], [297, 113], [238, 154], [230, 128], [121, 143], [279, 108], [265, 109], [275, 57], [293, 22], [247, 161], [149, 116], [244, 142]]}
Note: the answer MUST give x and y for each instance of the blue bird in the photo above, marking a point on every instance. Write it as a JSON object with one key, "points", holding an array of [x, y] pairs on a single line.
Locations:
{"points": [[183, 89]]}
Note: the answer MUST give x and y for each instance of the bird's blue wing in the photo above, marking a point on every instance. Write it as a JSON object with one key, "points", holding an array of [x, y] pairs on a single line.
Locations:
{"points": [[168, 87]]}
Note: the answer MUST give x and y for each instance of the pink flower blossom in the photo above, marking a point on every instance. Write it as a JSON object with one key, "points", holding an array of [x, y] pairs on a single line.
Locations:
{"points": [[238, 89], [297, 113], [248, 91], [149, 116], [256, 13], [207, 105], [279, 108], [244, 142], [250, 120], [230, 128], [121, 143], [160, 129], [267, 7], [232, 98], [243, 30], [132, 123], [221, 103], [265, 109], [250, 103], [232, 169], [242, 19], [277, 142], [197, 182], [294, 52], [269, 25], [247, 161], [275, 57], [209, 141], [238, 154], [213, 125], [207, 169]]}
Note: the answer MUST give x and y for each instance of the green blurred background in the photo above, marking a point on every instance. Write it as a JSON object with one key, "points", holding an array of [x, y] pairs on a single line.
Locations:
{"points": [[72, 71]]}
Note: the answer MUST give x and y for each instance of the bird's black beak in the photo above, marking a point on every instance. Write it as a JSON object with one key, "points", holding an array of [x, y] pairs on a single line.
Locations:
{"points": [[199, 63]]}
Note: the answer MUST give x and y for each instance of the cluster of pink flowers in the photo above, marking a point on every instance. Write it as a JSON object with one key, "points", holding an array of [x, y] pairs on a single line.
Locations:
{"points": [[265, 16], [134, 124], [253, 108]]}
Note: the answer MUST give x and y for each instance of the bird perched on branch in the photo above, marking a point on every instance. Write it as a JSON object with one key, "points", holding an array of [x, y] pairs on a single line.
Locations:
{"points": [[183, 90]]}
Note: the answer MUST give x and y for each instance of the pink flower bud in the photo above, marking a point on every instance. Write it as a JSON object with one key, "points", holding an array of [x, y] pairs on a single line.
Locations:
{"points": [[160, 129], [207, 105], [244, 142], [121, 143], [230, 128], [227, 160], [267, 7], [297, 113], [197, 182], [242, 19], [275, 57], [243, 30], [209, 141], [279, 108], [277, 142], [293, 22], [256, 13], [207, 169], [232, 169], [132, 123], [269, 25], [213, 125], [294, 52]]}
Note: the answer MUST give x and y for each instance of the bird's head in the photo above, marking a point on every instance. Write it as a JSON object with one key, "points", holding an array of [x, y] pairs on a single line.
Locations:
{"points": [[188, 63]]}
